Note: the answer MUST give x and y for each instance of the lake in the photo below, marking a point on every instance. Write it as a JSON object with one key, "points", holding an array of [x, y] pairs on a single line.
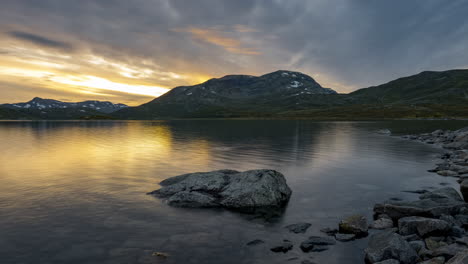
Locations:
{"points": [[75, 191]]}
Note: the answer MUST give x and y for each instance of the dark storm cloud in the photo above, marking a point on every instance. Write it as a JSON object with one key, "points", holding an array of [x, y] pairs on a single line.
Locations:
{"points": [[350, 44], [40, 40]]}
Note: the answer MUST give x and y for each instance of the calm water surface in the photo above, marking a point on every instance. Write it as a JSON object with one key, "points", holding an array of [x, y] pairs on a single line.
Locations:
{"points": [[74, 192]]}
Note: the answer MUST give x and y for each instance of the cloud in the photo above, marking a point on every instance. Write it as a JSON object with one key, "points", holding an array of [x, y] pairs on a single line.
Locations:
{"points": [[217, 37], [342, 44], [40, 40]]}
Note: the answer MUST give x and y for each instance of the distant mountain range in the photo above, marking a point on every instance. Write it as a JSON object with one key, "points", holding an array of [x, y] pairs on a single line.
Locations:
{"points": [[39, 108], [281, 94]]}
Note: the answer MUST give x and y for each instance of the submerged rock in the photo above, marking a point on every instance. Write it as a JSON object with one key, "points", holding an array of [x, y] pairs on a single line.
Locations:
{"points": [[298, 228], [226, 188], [255, 242], [284, 247], [345, 237], [316, 243]]}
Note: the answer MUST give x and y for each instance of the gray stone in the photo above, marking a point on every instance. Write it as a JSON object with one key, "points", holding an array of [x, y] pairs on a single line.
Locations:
{"points": [[459, 258], [345, 237], [389, 261], [355, 224], [382, 223], [432, 204], [464, 189], [255, 242], [388, 245], [298, 228], [438, 260], [417, 245], [447, 173], [422, 226], [329, 231], [448, 251], [314, 241], [226, 188], [284, 247]]}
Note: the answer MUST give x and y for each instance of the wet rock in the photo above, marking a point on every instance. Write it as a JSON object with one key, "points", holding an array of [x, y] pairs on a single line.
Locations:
{"points": [[226, 188], [422, 226], [433, 243], [464, 189], [284, 247], [389, 245], [255, 242], [448, 251], [345, 237], [389, 261], [329, 231], [432, 204], [447, 173], [417, 245], [306, 261], [416, 191], [438, 260], [459, 258], [355, 224], [382, 223], [298, 228], [412, 237], [315, 242]]}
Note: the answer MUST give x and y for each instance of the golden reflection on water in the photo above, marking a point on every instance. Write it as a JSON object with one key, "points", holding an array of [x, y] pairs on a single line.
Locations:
{"points": [[61, 154]]}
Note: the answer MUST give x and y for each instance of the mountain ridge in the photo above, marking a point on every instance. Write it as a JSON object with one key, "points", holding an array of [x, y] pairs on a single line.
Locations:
{"points": [[40, 108], [289, 94]]}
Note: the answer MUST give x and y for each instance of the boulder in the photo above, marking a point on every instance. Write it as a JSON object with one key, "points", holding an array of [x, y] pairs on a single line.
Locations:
{"points": [[355, 224], [389, 245], [422, 226], [298, 228], [432, 204], [460, 258], [226, 188]]}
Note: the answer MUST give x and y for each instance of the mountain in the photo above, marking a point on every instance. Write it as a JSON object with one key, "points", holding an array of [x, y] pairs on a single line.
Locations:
{"points": [[280, 94], [230, 96], [428, 87], [39, 108], [429, 94], [47, 104]]}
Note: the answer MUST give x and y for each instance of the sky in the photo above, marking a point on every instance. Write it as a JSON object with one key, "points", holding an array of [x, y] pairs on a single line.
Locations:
{"points": [[132, 51]]}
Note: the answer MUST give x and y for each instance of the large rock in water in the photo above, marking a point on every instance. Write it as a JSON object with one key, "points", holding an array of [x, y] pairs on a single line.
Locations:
{"points": [[226, 188]]}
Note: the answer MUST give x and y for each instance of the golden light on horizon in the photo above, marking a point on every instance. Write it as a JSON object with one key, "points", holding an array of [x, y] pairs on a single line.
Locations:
{"points": [[87, 75]]}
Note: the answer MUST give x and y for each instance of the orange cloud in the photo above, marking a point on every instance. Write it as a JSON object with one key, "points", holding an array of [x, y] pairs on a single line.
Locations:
{"points": [[217, 37]]}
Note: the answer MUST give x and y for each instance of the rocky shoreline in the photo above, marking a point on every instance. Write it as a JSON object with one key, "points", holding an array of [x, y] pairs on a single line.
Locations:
{"points": [[430, 230]]}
